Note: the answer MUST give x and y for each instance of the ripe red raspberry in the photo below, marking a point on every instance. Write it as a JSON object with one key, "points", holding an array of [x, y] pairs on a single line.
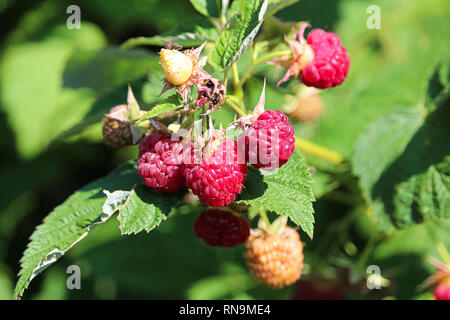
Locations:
{"points": [[218, 178], [221, 228], [442, 290], [269, 142], [275, 259], [331, 62], [159, 163]]}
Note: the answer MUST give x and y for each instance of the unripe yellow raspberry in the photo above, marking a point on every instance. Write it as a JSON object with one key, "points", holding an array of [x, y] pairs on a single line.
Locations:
{"points": [[275, 259], [177, 66]]}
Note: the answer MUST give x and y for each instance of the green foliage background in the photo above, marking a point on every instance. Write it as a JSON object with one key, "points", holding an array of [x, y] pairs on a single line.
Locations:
{"points": [[51, 78]]}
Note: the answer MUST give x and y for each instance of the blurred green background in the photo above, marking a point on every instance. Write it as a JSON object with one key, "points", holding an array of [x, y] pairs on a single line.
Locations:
{"points": [[52, 77]]}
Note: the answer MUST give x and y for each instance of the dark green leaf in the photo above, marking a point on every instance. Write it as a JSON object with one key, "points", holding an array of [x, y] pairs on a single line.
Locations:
{"points": [[192, 33], [403, 161], [145, 209], [241, 29], [207, 8], [70, 222], [277, 5], [286, 191]]}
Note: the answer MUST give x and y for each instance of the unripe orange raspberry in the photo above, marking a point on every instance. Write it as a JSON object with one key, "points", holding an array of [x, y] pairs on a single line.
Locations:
{"points": [[308, 109], [177, 66], [275, 259]]}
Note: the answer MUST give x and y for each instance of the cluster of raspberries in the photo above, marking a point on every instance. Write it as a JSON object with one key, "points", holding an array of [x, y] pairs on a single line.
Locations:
{"points": [[274, 259], [168, 165]]}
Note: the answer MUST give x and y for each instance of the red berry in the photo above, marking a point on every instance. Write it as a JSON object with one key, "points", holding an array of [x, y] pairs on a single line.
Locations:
{"points": [[221, 228], [159, 163], [442, 291], [218, 178], [269, 142], [331, 62]]}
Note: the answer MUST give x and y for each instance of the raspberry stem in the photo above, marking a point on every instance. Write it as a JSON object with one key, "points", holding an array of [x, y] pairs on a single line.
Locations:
{"points": [[260, 60], [263, 215], [318, 151], [236, 82], [238, 110]]}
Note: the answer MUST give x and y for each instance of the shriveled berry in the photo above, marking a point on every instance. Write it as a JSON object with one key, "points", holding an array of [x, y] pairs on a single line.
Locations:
{"points": [[218, 178], [160, 163], [221, 228], [116, 128], [269, 142], [275, 259]]}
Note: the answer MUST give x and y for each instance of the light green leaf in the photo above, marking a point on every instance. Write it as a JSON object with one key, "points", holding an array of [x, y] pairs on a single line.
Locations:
{"points": [[36, 106], [106, 69], [241, 29], [170, 104], [403, 162], [287, 192], [207, 8], [277, 5], [145, 209], [70, 222], [191, 34]]}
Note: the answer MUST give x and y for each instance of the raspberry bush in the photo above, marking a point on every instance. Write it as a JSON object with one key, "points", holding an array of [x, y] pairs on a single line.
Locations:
{"points": [[287, 157]]}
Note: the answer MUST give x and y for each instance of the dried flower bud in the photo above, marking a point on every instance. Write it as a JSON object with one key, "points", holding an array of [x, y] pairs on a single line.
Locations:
{"points": [[211, 92], [116, 128]]}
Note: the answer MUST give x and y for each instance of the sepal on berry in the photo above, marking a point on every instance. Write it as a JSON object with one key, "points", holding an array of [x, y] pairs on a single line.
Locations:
{"points": [[268, 141], [275, 259], [320, 62]]}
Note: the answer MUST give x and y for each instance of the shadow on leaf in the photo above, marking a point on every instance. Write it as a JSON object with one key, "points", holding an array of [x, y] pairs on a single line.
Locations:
{"points": [[254, 186], [428, 148]]}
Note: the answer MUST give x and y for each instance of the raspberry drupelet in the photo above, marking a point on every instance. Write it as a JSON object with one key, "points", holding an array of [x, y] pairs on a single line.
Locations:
{"points": [[320, 61], [160, 163], [275, 259], [218, 178], [269, 142]]}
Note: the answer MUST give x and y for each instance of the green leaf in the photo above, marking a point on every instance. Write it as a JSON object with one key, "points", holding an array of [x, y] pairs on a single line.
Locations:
{"points": [[403, 162], [37, 108], [192, 33], [207, 8], [164, 107], [370, 91], [277, 5], [106, 69], [287, 191], [70, 222], [239, 33], [145, 209], [408, 250]]}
